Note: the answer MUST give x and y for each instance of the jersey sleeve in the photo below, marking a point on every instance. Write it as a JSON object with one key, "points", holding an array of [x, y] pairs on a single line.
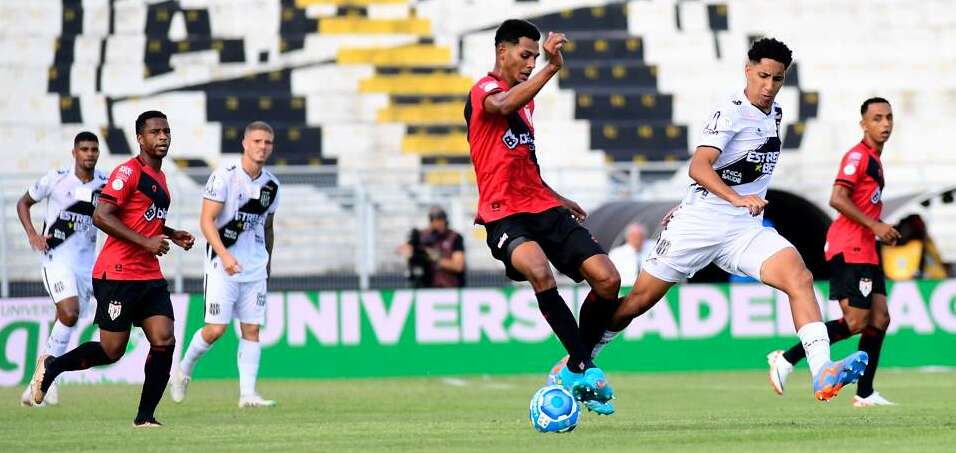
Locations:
{"points": [[484, 88], [216, 187], [721, 127], [275, 203], [851, 171], [121, 185], [42, 187], [459, 244]]}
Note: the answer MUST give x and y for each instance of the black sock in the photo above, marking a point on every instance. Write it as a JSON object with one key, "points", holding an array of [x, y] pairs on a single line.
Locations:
{"points": [[158, 363], [561, 320], [595, 315], [871, 341], [837, 330], [86, 355]]}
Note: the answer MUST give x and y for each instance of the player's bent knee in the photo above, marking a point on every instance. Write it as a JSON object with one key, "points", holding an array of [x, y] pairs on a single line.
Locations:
{"points": [[540, 277], [213, 332], [880, 321], [113, 353], [609, 283], [855, 324], [163, 341], [69, 319]]}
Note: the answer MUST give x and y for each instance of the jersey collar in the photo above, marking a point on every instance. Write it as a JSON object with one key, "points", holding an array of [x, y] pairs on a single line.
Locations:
{"points": [[754, 108], [869, 150]]}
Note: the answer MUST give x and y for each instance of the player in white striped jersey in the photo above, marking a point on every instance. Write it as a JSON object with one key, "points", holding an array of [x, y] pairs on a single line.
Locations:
{"points": [[239, 205], [67, 242], [720, 220]]}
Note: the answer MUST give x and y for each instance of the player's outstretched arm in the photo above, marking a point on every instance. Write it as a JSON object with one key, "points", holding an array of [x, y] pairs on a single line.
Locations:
{"points": [[104, 217], [182, 238], [207, 224], [507, 102], [37, 242], [702, 172], [840, 200]]}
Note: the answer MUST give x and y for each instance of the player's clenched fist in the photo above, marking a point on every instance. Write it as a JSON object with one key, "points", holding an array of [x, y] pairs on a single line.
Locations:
{"points": [[157, 245], [552, 48], [886, 233], [753, 203]]}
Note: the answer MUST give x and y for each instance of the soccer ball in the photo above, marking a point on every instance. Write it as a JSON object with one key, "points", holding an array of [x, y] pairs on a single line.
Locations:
{"points": [[553, 410]]}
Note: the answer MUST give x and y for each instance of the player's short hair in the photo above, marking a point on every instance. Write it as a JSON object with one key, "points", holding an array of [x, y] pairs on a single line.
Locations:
{"points": [[149, 114], [85, 136], [512, 30], [258, 126], [872, 100], [772, 49]]}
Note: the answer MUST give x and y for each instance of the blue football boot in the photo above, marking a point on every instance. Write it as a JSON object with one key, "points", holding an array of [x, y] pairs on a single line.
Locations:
{"points": [[828, 382]]}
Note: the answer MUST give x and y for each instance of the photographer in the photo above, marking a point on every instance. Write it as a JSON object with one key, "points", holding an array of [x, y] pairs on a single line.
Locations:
{"points": [[436, 255]]}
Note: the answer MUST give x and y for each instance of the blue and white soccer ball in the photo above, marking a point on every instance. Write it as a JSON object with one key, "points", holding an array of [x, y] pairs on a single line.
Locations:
{"points": [[553, 410]]}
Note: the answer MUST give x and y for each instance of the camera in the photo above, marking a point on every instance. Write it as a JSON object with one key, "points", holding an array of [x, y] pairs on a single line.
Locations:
{"points": [[419, 265]]}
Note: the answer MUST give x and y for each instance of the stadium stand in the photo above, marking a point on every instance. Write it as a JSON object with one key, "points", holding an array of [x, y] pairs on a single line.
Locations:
{"points": [[366, 97]]}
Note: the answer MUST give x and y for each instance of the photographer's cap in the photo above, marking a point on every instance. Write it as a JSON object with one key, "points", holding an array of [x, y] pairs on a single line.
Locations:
{"points": [[437, 213]]}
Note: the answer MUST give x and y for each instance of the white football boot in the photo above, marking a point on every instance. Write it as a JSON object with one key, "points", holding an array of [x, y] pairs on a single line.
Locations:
{"points": [[178, 384], [780, 370], [26, 400], [875, 399], [52, 395], [255, 400]]}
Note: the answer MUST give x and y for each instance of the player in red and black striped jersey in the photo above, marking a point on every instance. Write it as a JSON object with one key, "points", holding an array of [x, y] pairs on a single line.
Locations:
{"points": [[127, 280], [528, 223], [856, 278]]}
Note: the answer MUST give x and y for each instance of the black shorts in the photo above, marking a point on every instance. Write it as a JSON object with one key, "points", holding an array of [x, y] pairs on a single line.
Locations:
{"points": [[121, 304], [856, 282], [565, 242]]}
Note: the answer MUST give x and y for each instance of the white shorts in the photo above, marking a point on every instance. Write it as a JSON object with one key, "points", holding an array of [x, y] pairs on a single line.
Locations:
{"points": [[62, 282], [227, 300], [696, 237]]}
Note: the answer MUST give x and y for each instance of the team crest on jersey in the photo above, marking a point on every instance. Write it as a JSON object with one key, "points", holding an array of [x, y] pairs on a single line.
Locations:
{"points": [[265, 198], [866, 286], [115, 309], [214, 309]]}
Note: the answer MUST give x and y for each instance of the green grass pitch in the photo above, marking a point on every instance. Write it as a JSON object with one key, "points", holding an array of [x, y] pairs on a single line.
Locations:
{"points": [[656, 412]]}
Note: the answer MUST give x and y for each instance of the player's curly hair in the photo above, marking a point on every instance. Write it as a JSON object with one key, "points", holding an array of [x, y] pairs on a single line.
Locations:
{"points": [[512, 30], [141, 119], [772, 49]]}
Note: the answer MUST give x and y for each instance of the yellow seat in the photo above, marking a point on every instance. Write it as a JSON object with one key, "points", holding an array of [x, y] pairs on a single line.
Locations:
{"points": [[306, 3], [424, 144], [362, 25], [450, 177], [440, 113], [414, 55], [417, 84]]}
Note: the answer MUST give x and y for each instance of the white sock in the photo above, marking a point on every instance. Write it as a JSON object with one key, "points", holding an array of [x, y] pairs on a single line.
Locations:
{"points": [[816, 343], [197, 348], [608, 336], [248, 360], [59, 339]]}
